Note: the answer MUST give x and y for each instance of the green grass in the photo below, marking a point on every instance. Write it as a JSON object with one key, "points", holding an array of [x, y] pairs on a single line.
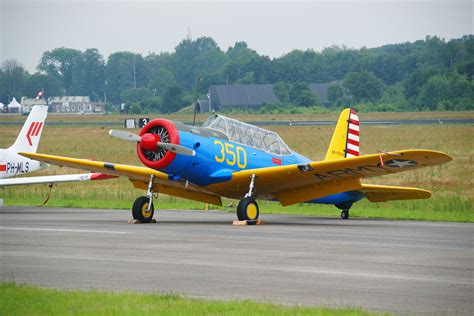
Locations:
{"points": [[450, 209], [29, 300]]}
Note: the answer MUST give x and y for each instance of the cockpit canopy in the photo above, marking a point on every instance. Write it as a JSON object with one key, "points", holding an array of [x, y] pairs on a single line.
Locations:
{"points": [[248, 135]]}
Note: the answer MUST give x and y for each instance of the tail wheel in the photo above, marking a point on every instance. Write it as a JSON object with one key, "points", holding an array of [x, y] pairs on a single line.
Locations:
{"points": [[247, 210], [345, 214], [140, 210]]}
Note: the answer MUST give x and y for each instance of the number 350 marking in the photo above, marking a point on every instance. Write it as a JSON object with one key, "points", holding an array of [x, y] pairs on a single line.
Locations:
{"points": [[231, 154]]}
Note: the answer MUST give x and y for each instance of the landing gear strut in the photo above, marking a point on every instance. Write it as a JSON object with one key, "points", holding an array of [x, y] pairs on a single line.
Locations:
{"points": [[143, 209], [247, 210]]}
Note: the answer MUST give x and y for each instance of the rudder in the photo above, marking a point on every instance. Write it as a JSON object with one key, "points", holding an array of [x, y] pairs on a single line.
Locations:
{"points": [[29, 137], [345, 140]]}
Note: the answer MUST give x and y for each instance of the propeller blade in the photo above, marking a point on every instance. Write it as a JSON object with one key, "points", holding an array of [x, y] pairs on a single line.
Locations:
{"points": [[178, 149], [124, 135]]}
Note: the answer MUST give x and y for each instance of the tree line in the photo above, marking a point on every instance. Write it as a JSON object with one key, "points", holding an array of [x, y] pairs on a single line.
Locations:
{"points": [[429, 74]]}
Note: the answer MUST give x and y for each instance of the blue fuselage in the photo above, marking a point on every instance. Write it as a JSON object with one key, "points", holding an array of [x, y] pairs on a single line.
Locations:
{"points": [[217, 158]]}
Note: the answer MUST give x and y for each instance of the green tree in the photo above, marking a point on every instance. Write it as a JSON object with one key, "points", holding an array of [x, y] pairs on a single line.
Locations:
{"points": [[335, 94], [395, 96], [136, 108], [413, 82], [124, 70], [435, 90], [38, 81], [172, 100], [62, 64], [363, 86], [160, 80], [93, 73], [194, 58], [301, 95], [443, 92], [136, 95], [249, 78], [152, 104], [282, 91], [306, 98], [12, 80], [466, 67], [242, 61]]}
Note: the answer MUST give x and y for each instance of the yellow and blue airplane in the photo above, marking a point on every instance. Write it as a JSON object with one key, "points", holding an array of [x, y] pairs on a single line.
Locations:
{"points": [[229, 158]]}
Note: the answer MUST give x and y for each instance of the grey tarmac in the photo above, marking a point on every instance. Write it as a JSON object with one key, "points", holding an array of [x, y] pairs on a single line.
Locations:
{"points": [[399, 266]]}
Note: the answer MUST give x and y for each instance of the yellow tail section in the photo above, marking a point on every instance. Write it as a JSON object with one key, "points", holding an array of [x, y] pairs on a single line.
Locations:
{"points": [[345, 140]]}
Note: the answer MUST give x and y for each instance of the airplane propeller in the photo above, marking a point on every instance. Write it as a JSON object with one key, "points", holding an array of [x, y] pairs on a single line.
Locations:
{"points": [[124, 135], [149, 142], [178, 149]]}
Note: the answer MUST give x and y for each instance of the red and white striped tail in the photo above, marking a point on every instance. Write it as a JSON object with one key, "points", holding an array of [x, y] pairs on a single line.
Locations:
{"points": [[352, 145]]}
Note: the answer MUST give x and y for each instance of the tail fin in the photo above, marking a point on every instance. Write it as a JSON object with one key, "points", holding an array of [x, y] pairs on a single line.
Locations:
{"points": [[30, 134], [345, 140]]}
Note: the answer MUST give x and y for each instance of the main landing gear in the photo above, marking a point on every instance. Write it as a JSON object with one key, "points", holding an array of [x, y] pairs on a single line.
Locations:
{"points": [[247, 210], [143, 209], [345, 207]]}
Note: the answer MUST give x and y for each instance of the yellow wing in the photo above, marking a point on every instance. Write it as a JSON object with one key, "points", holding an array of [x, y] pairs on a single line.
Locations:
{"points": [[383, 193], [300, 183], [138, 175]]}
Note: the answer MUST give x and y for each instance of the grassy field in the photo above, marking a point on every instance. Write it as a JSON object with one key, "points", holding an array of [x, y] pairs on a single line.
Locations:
{"points": [[253, 117], [28, 300], [451, 184]]}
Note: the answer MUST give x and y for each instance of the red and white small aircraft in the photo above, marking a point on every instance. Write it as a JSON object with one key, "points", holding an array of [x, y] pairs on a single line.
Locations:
{"points": [[12, 164]]}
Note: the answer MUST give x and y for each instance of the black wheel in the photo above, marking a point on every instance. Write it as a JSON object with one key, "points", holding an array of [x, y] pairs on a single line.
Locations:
{"points": [[247, 210], [140, 210], [345, 214]]}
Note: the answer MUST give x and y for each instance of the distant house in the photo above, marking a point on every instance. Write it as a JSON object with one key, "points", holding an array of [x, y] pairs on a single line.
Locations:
{"points": [[28, 103], [68, 104], [252, 96], [75, 104]]}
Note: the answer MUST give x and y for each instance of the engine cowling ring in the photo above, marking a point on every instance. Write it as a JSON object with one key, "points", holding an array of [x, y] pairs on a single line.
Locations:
{"points": [[173, 139]]}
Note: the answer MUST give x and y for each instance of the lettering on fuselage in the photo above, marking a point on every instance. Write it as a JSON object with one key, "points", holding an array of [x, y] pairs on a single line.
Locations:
{"points": [[16, 167], [231, 154]]}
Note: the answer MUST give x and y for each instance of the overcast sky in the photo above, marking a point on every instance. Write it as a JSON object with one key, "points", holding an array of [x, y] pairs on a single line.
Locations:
{"points": [[273, 28]]}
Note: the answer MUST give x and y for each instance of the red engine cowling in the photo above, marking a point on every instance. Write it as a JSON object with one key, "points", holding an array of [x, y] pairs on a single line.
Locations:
{"points": [[157, 130]]}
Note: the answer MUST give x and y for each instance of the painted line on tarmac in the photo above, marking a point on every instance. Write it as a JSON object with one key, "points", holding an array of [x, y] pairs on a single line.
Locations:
{"points": [[63, 230]]}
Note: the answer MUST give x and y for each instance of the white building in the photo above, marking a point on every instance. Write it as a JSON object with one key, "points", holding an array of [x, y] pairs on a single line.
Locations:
{"points": [[68, 104], [75, 104], [28, 103]]}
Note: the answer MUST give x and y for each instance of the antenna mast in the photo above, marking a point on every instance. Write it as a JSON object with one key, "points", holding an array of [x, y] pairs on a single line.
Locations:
{"points": [[198, 84]]}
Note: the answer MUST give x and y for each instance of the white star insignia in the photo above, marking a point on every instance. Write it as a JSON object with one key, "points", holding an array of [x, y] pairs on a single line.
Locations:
{"points": [[401, 163]]}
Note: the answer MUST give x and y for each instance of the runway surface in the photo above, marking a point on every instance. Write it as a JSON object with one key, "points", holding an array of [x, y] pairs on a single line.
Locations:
{"points": [[400, 266]]}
